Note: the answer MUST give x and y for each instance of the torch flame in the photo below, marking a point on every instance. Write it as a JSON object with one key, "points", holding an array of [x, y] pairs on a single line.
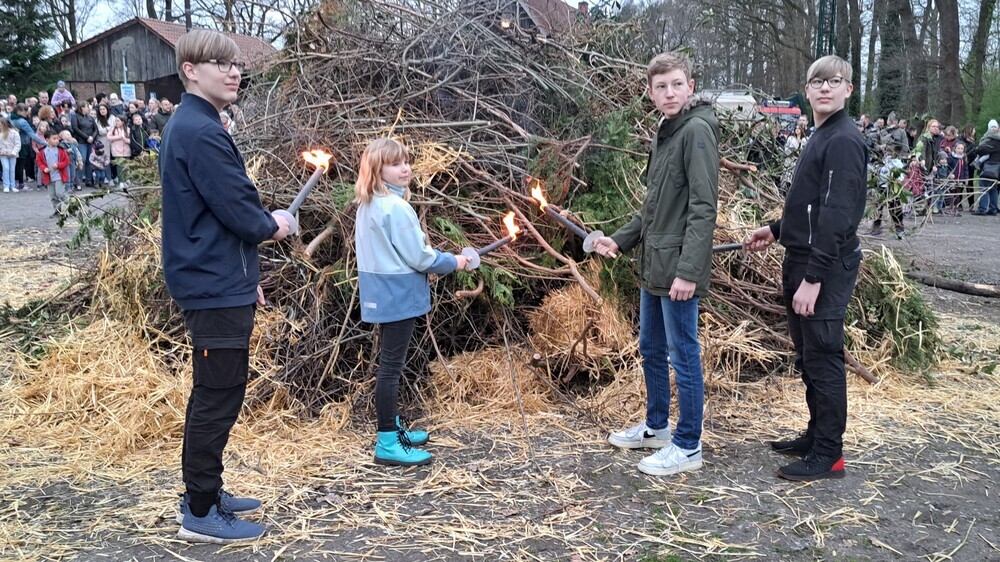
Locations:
{"points": [[512, 229], [536, 193], [318, 158]]}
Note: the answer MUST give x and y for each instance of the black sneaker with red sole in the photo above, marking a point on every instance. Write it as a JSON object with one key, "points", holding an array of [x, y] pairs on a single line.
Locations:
{"points": [[797, 447], [813, 467]]}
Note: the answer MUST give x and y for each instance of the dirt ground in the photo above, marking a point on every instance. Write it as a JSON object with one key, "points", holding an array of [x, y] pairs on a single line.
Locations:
{"points": [[922, 464]]}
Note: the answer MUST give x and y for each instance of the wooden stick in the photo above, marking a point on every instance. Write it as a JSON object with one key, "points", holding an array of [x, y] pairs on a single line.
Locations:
{"points": [[977, 289], [855, 366]]}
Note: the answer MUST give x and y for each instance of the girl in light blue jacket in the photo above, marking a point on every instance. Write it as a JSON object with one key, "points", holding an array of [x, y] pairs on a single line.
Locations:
{"points": [[393, 262]]}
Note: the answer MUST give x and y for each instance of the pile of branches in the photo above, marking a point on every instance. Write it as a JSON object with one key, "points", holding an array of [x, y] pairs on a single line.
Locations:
{"points": [[482, 109]]}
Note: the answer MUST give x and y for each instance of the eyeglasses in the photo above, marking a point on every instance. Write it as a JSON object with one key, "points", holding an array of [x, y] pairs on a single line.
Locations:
{"points": [[226, 65], [817, 83]]}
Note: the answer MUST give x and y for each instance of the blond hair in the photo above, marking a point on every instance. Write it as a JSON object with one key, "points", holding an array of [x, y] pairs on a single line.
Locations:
{"points": [[378, 154], [201, 45], [828, 67], [668, 62]]}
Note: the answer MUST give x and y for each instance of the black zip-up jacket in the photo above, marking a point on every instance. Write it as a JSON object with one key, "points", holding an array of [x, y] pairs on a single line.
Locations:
{"points": [[826, 200], [212, 215], [83, 127]]}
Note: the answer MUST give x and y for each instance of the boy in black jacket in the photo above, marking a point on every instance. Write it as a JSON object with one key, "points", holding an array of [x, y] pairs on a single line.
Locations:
{"points": [[212, 222], [818, 229]]}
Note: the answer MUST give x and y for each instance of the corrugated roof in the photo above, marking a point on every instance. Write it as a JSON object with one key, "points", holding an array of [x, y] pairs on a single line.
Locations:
{"points": [[252, 49]]}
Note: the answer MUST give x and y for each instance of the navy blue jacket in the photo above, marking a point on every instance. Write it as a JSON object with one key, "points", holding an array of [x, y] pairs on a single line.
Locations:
{"points": [[212, 215]]}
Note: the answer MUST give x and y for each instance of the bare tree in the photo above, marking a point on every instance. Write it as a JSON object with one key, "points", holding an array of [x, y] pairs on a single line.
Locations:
{"points": [[977, 55], [70, 17]]}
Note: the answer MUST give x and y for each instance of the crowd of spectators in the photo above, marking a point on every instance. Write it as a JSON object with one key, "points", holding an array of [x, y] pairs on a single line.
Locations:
{"points": [[97, 135]]}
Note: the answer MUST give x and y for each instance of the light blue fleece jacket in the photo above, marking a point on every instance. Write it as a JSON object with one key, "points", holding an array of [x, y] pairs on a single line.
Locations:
{"points": [[394, 260]]}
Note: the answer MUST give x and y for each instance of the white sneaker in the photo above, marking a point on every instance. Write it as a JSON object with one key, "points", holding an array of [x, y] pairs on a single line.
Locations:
{"points": [[640, 436], [671, 460], [6, 190]]}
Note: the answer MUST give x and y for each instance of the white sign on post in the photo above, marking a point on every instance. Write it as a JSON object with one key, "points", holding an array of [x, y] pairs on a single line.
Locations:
{"points": [[128, 92]]}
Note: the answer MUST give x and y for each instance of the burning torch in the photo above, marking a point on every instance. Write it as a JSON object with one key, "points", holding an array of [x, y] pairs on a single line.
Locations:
{"points": [[474, 254], [589, 239], [320, 159]]}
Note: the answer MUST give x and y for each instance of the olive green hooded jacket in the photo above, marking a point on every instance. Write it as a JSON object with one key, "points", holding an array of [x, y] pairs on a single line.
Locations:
{"points": [[674, 228]]}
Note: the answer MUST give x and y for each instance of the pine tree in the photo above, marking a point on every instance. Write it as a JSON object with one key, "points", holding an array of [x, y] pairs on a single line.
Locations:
{"points": [[24, 68]]}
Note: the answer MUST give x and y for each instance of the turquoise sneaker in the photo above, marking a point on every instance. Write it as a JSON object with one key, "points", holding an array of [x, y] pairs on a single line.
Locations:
{"points": [[416, 437], [394, 449], [219, 526]]}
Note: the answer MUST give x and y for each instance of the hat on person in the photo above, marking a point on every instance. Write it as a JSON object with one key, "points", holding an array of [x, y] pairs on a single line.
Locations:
{"points": [[114, 97], [993, 124], [61, 84], [98, 145], [942, 154]]}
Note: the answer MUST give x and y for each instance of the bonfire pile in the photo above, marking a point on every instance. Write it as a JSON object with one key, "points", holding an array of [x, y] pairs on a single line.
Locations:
{"points": [[482, 109]]}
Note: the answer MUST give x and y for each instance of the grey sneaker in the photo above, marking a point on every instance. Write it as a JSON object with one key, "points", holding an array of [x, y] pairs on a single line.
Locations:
{"points": [[640, 436], [219, 526], [239, 506], [671, 460]]}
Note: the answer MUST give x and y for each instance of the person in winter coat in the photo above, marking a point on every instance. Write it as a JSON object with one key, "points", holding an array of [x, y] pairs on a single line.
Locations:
{"points": [[159, 119], [10, 148], [927, 145], [989, 169], [100, 162], [394, 261], [53, 168], [62, 95], [85, 132], [137, 135], [673, 232], [118, 139], [25, 167], [212, 221], [819, 230]]}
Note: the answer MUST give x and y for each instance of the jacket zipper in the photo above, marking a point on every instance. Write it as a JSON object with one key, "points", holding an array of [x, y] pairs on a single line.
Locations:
{"points": [[244, 258], [809, 217], [829, 186]]}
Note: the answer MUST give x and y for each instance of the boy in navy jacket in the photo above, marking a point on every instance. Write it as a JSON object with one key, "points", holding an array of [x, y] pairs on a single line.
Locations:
{"points": [[213, 221]]}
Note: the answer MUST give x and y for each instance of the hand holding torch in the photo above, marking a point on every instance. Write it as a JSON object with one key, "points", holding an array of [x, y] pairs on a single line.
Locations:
{"points": [[321, 160]]}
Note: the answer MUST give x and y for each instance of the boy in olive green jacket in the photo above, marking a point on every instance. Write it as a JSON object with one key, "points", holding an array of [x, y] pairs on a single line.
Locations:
{"points": [[673, 231]]}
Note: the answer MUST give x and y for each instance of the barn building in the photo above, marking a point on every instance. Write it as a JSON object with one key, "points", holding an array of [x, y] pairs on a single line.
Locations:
{"points": [[146, 48]]}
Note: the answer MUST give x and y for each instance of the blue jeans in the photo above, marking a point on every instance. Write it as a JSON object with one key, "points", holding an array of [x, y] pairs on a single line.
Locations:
{"points": [[988, 200], [87, 168], [8, 163], [100, 176], [668, 337]]}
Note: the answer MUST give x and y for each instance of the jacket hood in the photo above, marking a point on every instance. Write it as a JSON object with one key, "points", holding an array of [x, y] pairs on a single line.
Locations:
{"points": [[698, 105], [992, 136]]}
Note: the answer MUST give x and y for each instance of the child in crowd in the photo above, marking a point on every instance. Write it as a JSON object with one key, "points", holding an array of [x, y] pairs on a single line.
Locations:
{"points": [[914, 182], [118, 137], [100, 161], [153, 142], [393, 262], [137, 136], [69, 143], [53, 165], [939, 182], [41, 128], [10, 148], [958, 174]]}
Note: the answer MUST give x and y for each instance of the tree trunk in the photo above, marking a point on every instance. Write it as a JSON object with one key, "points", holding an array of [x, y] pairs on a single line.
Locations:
{"points": [[168, 10], [842, 40], [977, 55], [877, 9], [891, 62], [952, 104], [151, 9], [855, 102], [916, 93]]}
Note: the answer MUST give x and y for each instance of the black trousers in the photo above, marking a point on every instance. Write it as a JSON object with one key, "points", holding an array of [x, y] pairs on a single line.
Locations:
{"points": [[819, 349], [895, 212], [394, 342], [24, 169], [221, 340]]}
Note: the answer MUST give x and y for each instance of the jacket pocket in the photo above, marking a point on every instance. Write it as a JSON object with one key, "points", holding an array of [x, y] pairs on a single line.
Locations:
{"points": [[664, 253], [852, 261]]}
